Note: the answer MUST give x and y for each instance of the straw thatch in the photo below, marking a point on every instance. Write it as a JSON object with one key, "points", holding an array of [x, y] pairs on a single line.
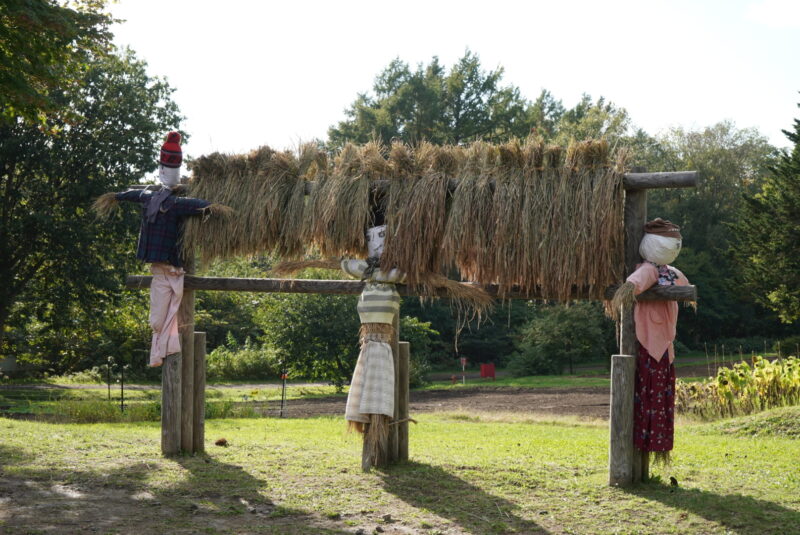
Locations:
{"points": [[542, 219]]}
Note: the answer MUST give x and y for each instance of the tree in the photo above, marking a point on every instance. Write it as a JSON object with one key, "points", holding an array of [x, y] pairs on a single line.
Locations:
{"points": [[561, 336], [768, 231], [59, 266], [731, 161], [315, 336], [46, 47], [464, 104]]}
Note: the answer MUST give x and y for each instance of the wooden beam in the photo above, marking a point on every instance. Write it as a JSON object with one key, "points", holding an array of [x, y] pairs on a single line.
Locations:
{"points": [[631, 181], [352, 287], [680, 179]]}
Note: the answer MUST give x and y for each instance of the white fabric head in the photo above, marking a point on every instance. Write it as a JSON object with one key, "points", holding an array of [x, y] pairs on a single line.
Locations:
{"points": [[375, 238], [661, 250], [169, 176]]}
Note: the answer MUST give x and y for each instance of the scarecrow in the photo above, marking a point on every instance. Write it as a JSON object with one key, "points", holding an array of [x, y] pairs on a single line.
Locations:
{"points": [[370, 401], [654, 397], [163, 213]]}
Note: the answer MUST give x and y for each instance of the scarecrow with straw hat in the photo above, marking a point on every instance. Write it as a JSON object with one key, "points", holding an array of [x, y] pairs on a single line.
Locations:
{"points": [[163, 214], [654, 398]]}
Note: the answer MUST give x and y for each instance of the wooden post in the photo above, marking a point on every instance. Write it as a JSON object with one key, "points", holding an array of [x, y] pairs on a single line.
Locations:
{"points": [[620, 443], [393, 453], [199, 425], [402, 401], [171, 405], [186, 328], [635, 218]]}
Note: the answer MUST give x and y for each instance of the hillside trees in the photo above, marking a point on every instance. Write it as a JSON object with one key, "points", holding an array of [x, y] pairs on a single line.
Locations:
{"points": [[731, 161], [768, 229], [45, 47], [59, 266]]}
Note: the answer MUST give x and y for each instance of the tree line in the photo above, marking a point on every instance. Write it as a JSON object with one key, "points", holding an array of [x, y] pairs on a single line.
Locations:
{"points": [[92, 122]]}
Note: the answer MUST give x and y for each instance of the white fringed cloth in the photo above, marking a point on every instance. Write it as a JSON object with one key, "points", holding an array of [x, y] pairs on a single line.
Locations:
{"points": [[372, 386]]}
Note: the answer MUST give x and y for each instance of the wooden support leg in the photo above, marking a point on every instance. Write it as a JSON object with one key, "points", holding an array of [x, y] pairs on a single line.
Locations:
{"points": [[186, 326], [402, 401], [199, 426], [390, 454], [394, 451], [171, 405], [620, 450]]}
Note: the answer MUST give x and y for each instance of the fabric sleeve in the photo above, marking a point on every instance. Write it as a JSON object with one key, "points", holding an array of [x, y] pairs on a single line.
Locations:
{"points": [[681, 280], [645, 276], [186, 206], [132, 195]]}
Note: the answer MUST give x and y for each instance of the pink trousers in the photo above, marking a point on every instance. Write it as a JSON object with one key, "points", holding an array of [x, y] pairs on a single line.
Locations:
{"points": [[166, 292]]}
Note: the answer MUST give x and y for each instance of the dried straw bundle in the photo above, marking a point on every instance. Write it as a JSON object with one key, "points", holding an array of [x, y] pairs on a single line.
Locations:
{"points": [[417, 206], [468, 234], [539, 218], [339, 207], [258, 187]]}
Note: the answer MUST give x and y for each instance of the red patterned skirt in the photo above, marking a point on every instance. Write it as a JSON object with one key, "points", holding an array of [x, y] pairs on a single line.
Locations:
{"points": [[654, 403]]}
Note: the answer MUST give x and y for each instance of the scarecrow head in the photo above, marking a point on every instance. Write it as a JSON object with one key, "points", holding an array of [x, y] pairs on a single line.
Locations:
{"points": [[169, 164], [661, 242]]}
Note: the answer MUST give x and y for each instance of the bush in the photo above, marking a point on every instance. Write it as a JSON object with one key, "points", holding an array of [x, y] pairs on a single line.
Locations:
{"points": [[424, 343], [242, 362], [532, 360], [788, 346], [559, 337]]}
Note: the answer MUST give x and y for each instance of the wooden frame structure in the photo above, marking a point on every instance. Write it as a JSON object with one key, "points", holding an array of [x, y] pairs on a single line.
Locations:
{"points": [[183, 379]]}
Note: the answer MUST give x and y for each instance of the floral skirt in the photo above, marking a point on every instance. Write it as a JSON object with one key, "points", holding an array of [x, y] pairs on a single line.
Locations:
{"points": [[654, 403]]}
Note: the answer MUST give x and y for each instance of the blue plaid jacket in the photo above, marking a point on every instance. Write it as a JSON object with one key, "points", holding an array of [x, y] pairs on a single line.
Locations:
{"points": [[158, 241]]}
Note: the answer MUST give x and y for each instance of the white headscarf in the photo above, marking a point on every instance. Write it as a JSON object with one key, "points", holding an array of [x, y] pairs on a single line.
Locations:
{"points": [[661, 250]]}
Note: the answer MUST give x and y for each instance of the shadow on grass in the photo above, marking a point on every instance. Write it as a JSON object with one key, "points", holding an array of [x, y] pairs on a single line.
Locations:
{"points": [[740, 514], [209, 497], [434, 489]]}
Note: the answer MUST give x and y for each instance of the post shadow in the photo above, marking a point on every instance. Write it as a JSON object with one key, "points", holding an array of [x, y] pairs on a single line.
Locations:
{"points": [[437, 490], [213, 491], [743, 515]]}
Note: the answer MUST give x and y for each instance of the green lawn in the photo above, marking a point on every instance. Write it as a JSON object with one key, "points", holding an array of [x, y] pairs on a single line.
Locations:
{"points": [[468, 474]]}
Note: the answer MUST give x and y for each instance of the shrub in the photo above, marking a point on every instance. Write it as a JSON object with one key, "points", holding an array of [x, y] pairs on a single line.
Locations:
{"points": [[558, 337], [788, 346], [246, 362], [424, 343]]}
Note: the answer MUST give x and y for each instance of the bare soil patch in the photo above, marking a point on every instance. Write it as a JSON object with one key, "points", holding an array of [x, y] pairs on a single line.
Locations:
{"points": [[584, 402]]}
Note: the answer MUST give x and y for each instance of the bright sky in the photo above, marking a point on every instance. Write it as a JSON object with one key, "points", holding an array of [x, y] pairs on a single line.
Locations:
{"points": [[249, 73]]}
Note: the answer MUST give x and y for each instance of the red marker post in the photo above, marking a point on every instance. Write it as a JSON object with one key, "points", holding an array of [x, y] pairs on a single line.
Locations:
{"points": [[463, 370]]}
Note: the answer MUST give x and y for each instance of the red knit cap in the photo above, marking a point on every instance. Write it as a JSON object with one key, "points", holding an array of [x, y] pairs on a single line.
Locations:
{"points": [[171, 155]]}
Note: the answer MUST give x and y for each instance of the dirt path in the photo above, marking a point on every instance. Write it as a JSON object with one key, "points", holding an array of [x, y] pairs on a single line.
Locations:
{"points": [[591, 402]]}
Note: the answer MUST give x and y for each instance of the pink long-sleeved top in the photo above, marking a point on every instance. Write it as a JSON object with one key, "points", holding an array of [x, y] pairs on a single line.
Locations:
{"points": [[656, 320]]}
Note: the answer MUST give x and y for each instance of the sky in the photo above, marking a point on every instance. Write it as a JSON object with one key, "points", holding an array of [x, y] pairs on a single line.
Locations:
{"points": [[252, 73]]}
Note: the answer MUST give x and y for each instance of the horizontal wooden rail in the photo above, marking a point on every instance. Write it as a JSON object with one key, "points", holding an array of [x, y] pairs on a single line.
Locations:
{"points": [[631, 181], [351, 287]]}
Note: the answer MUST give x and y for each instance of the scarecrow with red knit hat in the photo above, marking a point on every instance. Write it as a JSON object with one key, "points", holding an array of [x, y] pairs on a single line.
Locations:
{"points": [[654, 397], [163, 214]]}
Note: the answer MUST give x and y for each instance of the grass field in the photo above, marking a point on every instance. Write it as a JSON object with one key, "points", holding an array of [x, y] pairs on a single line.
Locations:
{"points": [[476, 473]]}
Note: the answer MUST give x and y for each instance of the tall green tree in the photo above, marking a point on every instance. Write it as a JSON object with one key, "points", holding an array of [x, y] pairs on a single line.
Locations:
{"points": [[46, 46], [731, 161], [59, 266], [768, 232], [430, 103]]}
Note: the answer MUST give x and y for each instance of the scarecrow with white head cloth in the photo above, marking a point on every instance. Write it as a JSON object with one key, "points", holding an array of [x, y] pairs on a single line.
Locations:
{"points": [[654, 398], [163, 213]]}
